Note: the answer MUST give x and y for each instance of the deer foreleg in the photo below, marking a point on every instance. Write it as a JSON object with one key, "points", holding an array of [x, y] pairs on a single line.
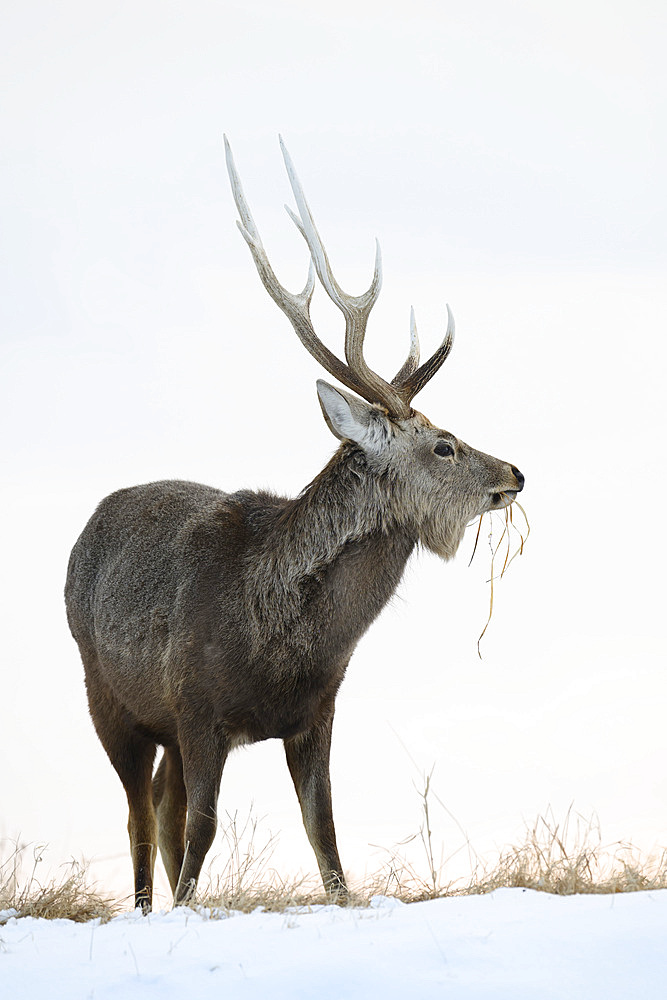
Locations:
{"points": [[308, 762], [203, 761]]}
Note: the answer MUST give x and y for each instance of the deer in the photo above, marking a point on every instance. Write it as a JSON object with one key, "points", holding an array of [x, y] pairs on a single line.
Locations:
{"points": [[208, 620]]}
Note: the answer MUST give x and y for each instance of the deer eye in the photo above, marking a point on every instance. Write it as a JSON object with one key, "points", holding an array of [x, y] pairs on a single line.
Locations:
{"points": [[443, 449]]}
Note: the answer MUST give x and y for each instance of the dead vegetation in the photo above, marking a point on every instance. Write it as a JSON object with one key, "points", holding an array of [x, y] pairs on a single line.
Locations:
{"points": [[564, 857], [569, 858], [502, 547], [67, 896]]}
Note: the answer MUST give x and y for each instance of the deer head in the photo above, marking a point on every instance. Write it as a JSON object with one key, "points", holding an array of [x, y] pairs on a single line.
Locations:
{"points": [[438, 484]]}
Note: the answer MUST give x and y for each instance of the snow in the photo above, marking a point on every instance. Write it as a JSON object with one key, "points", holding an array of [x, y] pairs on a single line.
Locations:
{"points": [[510, 944]]}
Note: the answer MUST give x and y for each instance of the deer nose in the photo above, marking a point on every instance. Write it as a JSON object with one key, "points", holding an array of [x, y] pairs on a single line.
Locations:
{"points": [[519, 476]]}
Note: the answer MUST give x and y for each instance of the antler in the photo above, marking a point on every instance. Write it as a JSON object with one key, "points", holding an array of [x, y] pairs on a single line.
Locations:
{"points": [[356, 375], [410, 379]]}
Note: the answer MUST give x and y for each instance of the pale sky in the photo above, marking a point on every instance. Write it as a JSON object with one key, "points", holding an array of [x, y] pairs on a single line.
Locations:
{"points": [[510, 157]]}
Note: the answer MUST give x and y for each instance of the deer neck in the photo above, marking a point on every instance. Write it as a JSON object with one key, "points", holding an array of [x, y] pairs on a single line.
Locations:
{"points": [[337, 550]]}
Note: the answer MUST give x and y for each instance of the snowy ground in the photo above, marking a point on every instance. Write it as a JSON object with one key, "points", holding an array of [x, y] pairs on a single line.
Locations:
{"points": [[511, 944]]}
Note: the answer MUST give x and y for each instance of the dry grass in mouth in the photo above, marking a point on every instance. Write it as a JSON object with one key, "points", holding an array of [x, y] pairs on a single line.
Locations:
{"points": [[505, 542]]}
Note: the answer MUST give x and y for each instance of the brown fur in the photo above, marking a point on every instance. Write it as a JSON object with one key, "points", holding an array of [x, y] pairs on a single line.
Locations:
{"points": [[206, 620]]}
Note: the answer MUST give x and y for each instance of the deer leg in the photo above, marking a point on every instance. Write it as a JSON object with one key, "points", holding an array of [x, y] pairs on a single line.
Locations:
{"points": [[203, 760], [132, 756], [170, 802], [142, 827], [308, 762], [133, 761]]}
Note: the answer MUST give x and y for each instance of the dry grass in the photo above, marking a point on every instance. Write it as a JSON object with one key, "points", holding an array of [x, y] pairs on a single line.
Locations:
{"points": [[247, 879], [502, 548], [563, 858], [569, 858], [67, 896]]}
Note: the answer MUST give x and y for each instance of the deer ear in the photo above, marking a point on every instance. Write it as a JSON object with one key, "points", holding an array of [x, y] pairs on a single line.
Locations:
{"points": [[351, 419]]}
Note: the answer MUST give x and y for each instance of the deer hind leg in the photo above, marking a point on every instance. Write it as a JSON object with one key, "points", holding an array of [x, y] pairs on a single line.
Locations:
{"points": [[170, 801], [203, 755], [133, 760], [142, 825], [132, 756], [308, 762]]}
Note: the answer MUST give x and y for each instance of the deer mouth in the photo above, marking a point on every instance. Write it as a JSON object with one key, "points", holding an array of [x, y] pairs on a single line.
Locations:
{"points": [[502, 499]]}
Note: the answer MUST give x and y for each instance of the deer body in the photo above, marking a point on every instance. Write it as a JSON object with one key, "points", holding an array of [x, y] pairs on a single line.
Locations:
{"points": [[192, 598], [206, 620]]}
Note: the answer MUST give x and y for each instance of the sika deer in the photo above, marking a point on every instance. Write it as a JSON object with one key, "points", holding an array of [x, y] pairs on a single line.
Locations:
{"points": [[207, 619]]}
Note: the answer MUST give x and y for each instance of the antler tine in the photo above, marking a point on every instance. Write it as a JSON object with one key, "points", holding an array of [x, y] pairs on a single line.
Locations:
{"points": [[412, 361], [247, 225], [295, 307], [356, 375], [355, 308], [410, 386]]}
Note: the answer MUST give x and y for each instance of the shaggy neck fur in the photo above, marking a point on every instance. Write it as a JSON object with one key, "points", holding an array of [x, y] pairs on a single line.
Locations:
{"points": [[341, 535]]}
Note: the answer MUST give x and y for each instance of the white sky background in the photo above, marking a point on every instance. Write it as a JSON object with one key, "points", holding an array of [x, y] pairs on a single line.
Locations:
{"points": [[511, 159]]}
